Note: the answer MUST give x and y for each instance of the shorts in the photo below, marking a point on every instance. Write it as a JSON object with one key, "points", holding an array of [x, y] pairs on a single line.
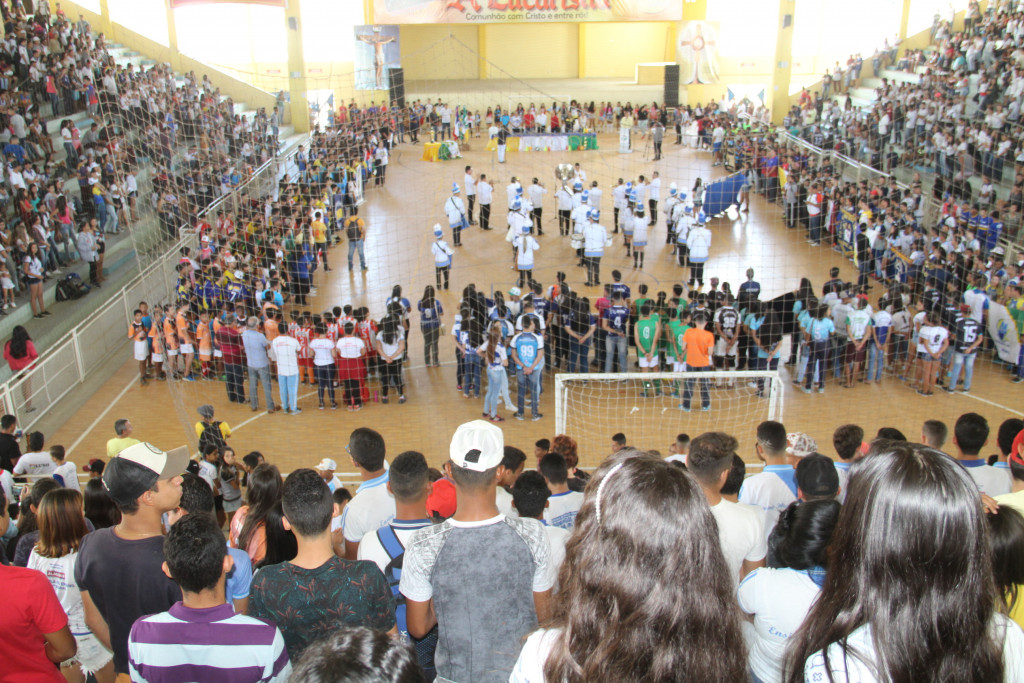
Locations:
{"points": [[925, 356], [141, 350], [187, 348], [171, 353], [231, 505], [158, 358], [644, 363], [638, 243], [6, 283], [217, 353], [853, 355], [91, 656], [205, 355], [717, 146], [679, 367], [721, 346]]}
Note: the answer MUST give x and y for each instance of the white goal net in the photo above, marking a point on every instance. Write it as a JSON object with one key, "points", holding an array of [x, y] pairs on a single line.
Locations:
{"points": [[652, 408]]}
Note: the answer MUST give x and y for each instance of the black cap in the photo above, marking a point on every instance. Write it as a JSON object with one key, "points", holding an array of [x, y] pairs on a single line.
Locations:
{"points": [[816, 476]]}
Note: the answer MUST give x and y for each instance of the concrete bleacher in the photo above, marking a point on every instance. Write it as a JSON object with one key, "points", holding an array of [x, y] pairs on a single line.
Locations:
{"points": [[128, 252]]}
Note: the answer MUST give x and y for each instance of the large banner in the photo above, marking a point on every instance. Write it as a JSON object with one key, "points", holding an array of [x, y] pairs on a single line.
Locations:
{"points": [[846, 233], [174, 4], [376, 52], [523, 11], [697, 53], [1003, 333]]}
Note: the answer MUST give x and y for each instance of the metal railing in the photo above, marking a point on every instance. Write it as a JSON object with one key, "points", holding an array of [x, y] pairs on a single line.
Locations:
{"points": [[32, 394]]}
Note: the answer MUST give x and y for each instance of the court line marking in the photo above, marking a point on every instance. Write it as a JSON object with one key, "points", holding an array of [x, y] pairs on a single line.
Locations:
{"points": [[993, 403], [102, 415]]}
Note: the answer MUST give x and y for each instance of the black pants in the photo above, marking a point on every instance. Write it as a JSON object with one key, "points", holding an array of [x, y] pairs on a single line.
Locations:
{"points": [[818, 361], [682, 252], [536, 215], [670, 234], [485, 216], [392, 377], [235, 387], [615, 214], [442, 272], [593, 269], [564, 223], [93, 273], [653, 203], [472, 203], [457, 235], [325, 375], [353, 396], [696, 273], [657, 151]]}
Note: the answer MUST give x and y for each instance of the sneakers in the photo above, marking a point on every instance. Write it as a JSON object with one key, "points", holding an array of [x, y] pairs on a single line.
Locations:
{"points": [[296, 411], [537, 417], [683, 408], [496, 418], [321, 406], [805, 390], [519, 416], [334, 406], [706, 409], [383, 399], [401, 399], [189, 378]]}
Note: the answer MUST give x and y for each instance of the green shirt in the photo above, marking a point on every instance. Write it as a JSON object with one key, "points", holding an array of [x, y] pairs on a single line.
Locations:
{"points": [[677, 329], [646, 329]]}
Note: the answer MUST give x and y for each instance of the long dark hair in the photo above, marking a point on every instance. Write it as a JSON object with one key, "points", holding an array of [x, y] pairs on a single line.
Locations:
{"points": [[801, 537], [1007, 530], [281, 543], [264, 493], [428, 297], [19, 342], [100, 508], [656, 606], [916, 567]]}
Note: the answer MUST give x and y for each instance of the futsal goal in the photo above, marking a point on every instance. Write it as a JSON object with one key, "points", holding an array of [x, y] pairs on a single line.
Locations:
{"points": [[651, 408]]}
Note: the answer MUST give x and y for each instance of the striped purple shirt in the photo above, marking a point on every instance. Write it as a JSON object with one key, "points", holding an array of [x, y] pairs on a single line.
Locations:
{"points": [[211, 644]]}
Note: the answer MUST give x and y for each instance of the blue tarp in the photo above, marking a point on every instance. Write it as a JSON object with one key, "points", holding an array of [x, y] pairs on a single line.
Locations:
{"points": [[721, 194]]}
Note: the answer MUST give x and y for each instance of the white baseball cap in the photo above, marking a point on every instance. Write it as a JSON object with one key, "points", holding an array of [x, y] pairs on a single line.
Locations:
{"points": [[477, 446], [326, 464]]}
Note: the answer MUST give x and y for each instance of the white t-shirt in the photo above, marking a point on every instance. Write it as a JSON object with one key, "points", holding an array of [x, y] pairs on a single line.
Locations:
{"points": [[769, 492], [994, 481], [69, 473], [60, 571], [322, 351], [504, 501], [371, 508], [557, 538], [286, 351], [7, 486], [741, 533], [930, 338], [38, 463], [351, 347], [853, 670], [562, 509], [779, 599], [529, 667]]}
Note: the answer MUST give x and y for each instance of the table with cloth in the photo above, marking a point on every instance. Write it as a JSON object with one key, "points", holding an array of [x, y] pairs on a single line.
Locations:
{"points": [[555, 142], [441, 151]]}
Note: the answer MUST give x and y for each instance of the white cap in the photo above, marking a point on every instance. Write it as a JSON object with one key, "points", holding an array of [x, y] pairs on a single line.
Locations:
{"points": [[437, 230], [514, 291], [477, 446], [800, 444], [326, 464]]}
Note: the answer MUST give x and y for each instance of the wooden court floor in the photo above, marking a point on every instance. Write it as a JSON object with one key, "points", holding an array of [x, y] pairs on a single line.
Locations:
{"points": [[400, 217]]}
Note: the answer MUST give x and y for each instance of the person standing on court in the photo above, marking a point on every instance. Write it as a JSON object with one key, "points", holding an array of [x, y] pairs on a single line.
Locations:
{"points": [[468, 181], [657, 137], [229, 340], [484, 194], [455, 209], [258, 363], [537, 192], [286, 351]]}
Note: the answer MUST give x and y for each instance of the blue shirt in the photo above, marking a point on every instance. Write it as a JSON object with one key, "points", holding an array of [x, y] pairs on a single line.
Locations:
{"points": [[430, 316], [621, 288], [618, 318], [255, 349], [239, 579], [527, 346]]}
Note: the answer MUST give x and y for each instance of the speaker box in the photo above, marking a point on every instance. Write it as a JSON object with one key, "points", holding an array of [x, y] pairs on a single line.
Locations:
{"points": [[396, 93], [671, 85]]}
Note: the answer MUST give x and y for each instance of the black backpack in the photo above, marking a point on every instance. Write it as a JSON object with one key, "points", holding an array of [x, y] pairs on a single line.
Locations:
{"points": [[71, 287], [211, 436], [352, 229]]}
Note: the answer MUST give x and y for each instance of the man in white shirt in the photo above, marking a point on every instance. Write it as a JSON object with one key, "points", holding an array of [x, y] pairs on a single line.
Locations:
{"points": [[775, 487], [36, 461], [970, 434], [655, 195], [536, 195], [741, 529], [372, 506], [565, 201], [484, 194], [563, 505], [470, 184], [285, 350], [456, 212]]}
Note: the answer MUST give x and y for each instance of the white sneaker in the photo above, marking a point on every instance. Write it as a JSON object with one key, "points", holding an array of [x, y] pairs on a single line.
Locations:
{"points": [[752, 385], [14, 305]]}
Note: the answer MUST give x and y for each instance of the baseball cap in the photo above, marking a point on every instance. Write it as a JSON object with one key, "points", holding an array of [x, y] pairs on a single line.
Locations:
{"points": [[326, 464], [95, 465], [800, 444], [477, 446], [137, 469], [1015, 455], [514, 292], [816, 475]]}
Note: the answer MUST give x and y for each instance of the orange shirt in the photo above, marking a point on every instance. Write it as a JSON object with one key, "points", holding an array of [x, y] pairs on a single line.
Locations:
{"points": [[698, 347], [156, 337], [169, 334], [182, 325], [204, 339]]}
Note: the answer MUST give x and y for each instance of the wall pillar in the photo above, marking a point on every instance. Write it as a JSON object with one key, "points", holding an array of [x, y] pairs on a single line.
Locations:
{"points": [[106, 25], [299, 105], [782, 69], [481, 50], [173, 56], [581, 52], [905, 20]]}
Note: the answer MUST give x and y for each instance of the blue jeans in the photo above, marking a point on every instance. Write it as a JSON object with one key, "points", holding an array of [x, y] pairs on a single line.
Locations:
{"points": [[354, 245], [814, 224], [965, 360], [705, 389], [615, 347], [262, 375], [288, 388], [496, 381], [529, 382], [876, 362], [471, 374], [578, 353]]}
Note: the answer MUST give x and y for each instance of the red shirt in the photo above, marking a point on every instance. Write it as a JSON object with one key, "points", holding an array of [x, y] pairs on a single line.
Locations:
{"points": [[229, 340], [31, 609], [18, 364]]}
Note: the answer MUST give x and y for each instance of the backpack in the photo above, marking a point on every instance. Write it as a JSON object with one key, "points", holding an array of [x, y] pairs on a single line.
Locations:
{"points": [[393, 574], [212, 436], [352, 229], [71, 287]]}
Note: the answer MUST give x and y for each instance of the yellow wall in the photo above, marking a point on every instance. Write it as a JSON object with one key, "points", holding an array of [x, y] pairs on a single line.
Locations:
{"points": [[532, 51], [423, 59], [612, 50]]}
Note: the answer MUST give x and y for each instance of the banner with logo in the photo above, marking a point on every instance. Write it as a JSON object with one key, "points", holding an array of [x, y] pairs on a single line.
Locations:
{"points": [[846, 233], [1003, 333], [523, 11], [175, 4]]}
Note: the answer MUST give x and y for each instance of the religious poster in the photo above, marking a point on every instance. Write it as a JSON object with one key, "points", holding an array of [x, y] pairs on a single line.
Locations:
{"points": [[523, 11], [846, 233], [1004, 333], [697, 52], [376, 52]]}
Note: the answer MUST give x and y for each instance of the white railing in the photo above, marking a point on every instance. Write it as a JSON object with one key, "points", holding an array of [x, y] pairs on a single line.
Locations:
{"points": [[31, 395]]}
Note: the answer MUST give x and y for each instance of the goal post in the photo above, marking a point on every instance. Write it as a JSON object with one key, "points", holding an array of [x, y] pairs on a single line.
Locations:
{"points": [[647, 406]]}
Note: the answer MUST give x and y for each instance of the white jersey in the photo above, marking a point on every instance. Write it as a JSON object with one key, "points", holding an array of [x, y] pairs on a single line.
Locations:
{"points": [[442, 253], [511, 190], [564, 199], [484, 191], [525, 246], [595, 237], [470, 184], [655, 189], [619, 196], [455, 210], [579, 217], [595, 198], [537, 194], [640, 230]]}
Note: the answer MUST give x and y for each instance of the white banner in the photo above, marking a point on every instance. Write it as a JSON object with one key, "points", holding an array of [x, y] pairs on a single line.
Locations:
{"points": [[1003, 332]]}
